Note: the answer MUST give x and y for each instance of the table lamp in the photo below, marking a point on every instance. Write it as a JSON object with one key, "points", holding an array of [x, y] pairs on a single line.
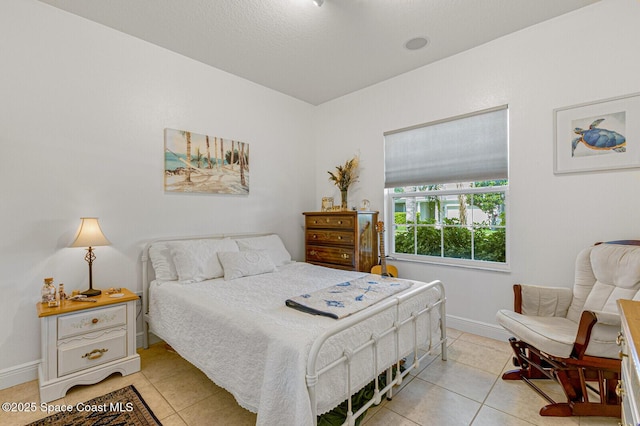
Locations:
{"points": [[90, 235]]}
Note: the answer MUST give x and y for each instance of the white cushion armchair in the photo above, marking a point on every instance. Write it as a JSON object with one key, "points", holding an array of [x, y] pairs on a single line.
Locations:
{"points": [[569, 335]]}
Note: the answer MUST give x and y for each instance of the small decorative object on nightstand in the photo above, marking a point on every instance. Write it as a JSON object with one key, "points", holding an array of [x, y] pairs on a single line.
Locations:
{"points": [[83, 342]]}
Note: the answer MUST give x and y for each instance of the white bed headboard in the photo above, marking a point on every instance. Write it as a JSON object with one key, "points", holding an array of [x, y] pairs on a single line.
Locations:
{"points": [[148, 274]]}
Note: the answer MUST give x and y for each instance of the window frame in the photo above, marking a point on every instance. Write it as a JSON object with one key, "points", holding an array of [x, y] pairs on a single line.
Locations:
{"points": [[390, 197]]}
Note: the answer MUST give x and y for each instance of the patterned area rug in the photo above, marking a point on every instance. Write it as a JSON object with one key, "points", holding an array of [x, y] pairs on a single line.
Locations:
{"points": [[121, 407]]}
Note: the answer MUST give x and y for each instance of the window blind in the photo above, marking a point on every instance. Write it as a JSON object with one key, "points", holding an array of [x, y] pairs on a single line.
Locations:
{"points": [[468, 148]]}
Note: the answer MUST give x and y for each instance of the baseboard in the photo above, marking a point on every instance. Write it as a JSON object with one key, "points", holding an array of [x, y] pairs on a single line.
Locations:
{"points": [[19, 374], [484, 329]]}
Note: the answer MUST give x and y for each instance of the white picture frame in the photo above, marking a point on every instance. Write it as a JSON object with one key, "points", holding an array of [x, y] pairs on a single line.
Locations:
{"points": [[599, 135]]}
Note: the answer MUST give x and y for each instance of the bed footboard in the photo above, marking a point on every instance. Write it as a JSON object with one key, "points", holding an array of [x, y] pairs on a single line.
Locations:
{"points": [[391, 335]]}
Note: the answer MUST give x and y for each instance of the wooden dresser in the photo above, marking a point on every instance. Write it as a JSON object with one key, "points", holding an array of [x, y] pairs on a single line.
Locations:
{"points": [[343, 240], [629, 341]]}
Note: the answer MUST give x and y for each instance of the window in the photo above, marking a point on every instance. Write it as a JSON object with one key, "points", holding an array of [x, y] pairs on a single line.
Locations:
{"points": [[447, 189]]}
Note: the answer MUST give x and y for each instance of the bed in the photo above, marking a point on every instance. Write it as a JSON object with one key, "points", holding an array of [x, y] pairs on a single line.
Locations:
{"points": [[219, 301]]}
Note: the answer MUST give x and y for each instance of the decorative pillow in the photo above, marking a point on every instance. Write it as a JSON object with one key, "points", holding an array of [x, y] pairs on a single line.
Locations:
{"points": [[271, 243], [245, 263], [196, 260], [162, 262]]}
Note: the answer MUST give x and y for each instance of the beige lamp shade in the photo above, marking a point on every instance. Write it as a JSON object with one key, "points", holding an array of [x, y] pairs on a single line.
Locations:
{"points": [[89, 234]]}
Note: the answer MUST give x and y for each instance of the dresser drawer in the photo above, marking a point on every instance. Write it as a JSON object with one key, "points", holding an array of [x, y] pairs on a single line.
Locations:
{"points": [[320, 236], [94, 320], [91, 350], [334, 255], [631, 389], [330, 221]]}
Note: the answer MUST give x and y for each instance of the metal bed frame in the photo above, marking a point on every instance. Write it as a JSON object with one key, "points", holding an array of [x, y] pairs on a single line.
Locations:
{"points": [[373, 344]]}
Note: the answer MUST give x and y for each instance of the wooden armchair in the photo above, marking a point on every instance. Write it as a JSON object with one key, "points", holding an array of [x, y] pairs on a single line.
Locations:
{"points": [[569, 335]]}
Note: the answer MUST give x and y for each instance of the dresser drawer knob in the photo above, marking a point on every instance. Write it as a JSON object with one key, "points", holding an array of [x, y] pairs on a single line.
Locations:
{"points": [[345, 256], [619, 389], [620, 338], [313, 253], [339, 237], [339, 222], [315, 236], [95, 354], [95, 321]]}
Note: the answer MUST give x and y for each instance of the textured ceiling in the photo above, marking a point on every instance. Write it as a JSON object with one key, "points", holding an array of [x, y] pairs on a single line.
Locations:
{"points": [[317, 53]]}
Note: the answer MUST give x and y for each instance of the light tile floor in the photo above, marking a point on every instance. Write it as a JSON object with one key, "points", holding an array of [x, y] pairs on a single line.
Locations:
{"points": [[464, 390]]}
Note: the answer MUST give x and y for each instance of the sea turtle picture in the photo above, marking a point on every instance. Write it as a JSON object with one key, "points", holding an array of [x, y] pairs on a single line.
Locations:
{"points": [[598, 139]]}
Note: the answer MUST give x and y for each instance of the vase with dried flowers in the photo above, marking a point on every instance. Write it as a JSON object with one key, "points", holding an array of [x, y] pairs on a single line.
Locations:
{"points": [[344, 177]]}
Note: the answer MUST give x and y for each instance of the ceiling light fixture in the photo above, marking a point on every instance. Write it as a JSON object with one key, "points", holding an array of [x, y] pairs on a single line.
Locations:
{"points": [[318, 2], [416, 43]]}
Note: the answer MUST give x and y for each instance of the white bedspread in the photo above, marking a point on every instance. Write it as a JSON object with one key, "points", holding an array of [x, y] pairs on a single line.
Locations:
{"points": [[244, 338]]}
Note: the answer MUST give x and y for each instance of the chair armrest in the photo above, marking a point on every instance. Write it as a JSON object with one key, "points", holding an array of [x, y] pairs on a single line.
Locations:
{"points": [[587, 320], [608, 318], [602, 325], [542, 301]]}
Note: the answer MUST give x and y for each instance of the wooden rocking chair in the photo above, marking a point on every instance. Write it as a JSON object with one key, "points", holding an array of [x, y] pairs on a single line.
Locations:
{"points": [[569, 335]]}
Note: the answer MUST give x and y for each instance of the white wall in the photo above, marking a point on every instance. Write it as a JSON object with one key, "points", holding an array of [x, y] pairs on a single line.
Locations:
{"points": [[82, 113], [587, 55]]}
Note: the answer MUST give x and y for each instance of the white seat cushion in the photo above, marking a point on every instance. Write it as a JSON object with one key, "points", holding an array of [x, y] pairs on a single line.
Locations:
{"points": [[556, 335], [552, 335]]}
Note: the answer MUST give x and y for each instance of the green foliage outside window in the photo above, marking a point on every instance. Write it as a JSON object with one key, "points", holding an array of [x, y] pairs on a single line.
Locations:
{"points": [[489, 242]]}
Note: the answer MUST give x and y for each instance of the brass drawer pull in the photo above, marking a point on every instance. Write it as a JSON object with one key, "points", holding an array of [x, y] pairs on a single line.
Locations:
{"points": [[314, 236], [339, 237], [620, 338], [95, 354], [313, 253], [339, 222], [619, 389], [345, 256]]}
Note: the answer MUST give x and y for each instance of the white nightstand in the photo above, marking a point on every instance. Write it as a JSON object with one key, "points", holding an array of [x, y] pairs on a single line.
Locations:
{"points": [[84, 342]]}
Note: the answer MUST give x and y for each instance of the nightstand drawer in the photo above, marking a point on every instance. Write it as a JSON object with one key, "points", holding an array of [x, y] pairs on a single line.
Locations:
{"points": [[330, 221], [94, 320], [85, 352], [335, 255], [318, 236]]}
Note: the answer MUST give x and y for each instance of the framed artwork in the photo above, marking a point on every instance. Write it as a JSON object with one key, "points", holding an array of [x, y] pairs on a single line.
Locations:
{"points": [[203, 163], [327, 204], [600, 135]]}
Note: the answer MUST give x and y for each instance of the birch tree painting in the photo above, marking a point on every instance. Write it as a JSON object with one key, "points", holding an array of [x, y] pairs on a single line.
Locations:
{"points": [[190, 165]]}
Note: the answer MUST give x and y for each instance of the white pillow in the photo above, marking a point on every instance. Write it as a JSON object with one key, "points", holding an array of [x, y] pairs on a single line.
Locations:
{"points": [[271, 243], [245, 263], [196, 260], [162, 262]]}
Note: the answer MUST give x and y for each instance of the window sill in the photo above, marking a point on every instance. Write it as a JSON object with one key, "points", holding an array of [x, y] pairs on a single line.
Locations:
{"points": [[458, 263]]}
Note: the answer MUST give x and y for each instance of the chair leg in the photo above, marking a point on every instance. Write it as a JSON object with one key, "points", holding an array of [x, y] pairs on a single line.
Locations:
{"points": [[575, 379], [574, 376], [527, 360]]}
